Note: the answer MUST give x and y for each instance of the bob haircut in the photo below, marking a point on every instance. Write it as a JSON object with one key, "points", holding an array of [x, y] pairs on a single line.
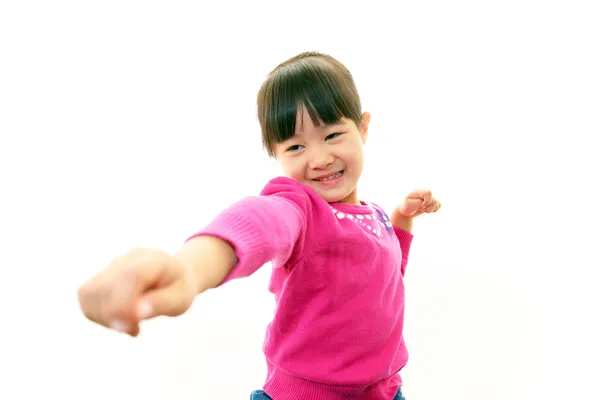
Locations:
{"points": [[314, 80]]}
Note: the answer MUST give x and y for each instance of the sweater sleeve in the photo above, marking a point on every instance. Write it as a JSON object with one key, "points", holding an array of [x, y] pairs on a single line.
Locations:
{"points": [[265, 228], [405, 238]]}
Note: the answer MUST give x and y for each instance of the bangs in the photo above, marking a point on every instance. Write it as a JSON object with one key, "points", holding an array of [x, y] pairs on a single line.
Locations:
{"points": [[327, 92]]}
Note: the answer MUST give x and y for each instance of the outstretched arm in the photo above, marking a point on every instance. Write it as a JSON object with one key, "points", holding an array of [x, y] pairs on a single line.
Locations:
{"points": [[244, 237], [251, 233]]}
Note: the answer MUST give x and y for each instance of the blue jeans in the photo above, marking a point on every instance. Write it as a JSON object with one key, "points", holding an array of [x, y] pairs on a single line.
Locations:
{"points": [[261, 395]]}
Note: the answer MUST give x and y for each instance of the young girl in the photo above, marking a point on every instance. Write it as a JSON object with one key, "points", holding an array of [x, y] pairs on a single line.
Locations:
{"points": [[338, 262]]}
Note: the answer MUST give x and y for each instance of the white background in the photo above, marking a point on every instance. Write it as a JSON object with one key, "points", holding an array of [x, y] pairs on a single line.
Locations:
{"points": [[129, 124]]}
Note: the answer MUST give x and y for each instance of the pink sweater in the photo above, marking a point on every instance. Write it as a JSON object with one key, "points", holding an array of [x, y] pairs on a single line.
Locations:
{"points": [[338, 284]]}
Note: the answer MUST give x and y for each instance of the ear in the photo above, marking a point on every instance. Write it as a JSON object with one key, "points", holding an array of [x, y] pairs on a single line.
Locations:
{"points": [[364, 126]]}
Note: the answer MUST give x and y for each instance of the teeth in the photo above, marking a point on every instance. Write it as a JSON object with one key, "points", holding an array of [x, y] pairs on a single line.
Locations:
{"points": [[337, 175]]}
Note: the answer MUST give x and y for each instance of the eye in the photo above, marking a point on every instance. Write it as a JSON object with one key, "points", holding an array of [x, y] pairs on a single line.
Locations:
{"points": [[333, 136], [295, 147]]}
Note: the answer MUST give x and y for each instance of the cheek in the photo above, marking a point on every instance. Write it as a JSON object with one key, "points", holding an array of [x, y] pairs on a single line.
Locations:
{"points": [[353, 157], [293, 169]]}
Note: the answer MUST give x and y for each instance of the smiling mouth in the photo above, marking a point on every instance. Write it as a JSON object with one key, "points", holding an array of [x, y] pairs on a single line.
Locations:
{"points": [[330, 177]]}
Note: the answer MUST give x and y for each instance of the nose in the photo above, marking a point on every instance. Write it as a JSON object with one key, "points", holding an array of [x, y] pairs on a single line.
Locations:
{"points": [[320, 159]]}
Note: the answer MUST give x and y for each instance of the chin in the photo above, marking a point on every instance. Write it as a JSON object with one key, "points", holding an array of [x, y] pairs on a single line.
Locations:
{"points": [[333, 196], [334, 190]]}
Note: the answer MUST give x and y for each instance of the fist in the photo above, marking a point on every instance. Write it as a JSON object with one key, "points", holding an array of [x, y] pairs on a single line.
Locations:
{"points": [[418, 202], [140, 285]]}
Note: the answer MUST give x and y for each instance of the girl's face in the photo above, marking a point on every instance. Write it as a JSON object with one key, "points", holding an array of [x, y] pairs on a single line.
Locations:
{"points": [[329, 158]]}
